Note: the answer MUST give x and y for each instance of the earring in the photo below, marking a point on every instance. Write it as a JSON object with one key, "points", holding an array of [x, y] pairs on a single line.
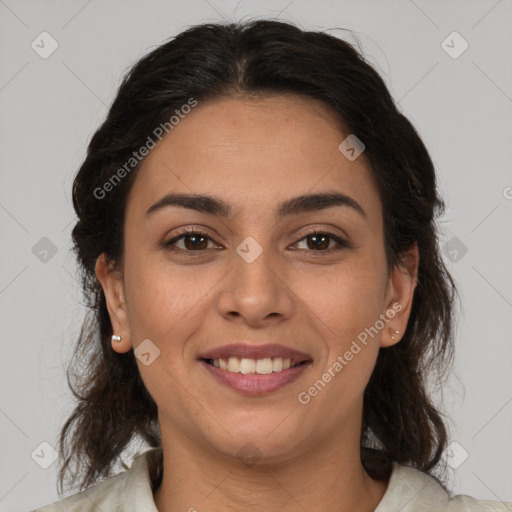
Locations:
{"points": [[391, 331], [115, 337]]}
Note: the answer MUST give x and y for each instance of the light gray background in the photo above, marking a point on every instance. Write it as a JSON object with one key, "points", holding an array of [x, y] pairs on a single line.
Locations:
{"points": [[50, 108]]}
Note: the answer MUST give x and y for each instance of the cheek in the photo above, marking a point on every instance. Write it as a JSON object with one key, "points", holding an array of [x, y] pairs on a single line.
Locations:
{"points": [[166, 305], [347, 299], [345, 320], [347, 316], [163, 298]]}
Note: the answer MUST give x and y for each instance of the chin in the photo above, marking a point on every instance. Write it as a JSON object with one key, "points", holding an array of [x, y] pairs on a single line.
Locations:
{"points": [[268, 439]]}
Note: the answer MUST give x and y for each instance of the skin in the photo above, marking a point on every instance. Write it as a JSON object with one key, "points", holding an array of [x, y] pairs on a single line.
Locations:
{"points": [[254, 154]]}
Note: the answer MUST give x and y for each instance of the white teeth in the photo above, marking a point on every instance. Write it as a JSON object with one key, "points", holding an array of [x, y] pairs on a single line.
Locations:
{"points": [[247, 366], [277, 364], [233, 364], [260, 366], [264, 366]]}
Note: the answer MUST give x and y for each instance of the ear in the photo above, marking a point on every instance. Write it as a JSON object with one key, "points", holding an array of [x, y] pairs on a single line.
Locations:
{"points": [[399, 295], [112, 283]]}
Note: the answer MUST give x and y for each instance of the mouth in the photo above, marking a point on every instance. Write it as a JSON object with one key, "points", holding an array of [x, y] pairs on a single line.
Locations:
{"points": [[253, 369], [248, 366]]}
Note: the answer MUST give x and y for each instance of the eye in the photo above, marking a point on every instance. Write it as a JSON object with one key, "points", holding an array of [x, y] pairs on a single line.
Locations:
{"points": [[197, 241], [320, 241], [192, 239]]}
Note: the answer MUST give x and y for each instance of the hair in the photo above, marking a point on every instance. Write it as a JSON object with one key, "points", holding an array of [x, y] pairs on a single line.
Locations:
{"points": [[260, 58]]}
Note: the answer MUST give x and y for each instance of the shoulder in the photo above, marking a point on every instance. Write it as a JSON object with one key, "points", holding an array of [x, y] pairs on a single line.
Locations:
{"points": [[128, 491], [411, 490]]}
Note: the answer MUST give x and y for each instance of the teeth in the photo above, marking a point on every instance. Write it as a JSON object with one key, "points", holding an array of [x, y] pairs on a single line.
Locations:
{"points": [[247, 366], [277, 364], [264, 366], [233, 364], [260, 366]]}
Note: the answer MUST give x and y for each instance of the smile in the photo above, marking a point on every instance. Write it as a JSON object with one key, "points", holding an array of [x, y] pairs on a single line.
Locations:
{"points": [[255, 369], [248, 366]]}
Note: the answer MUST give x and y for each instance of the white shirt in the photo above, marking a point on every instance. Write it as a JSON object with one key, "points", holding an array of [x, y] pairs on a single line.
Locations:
{"points": [[409, 490]]}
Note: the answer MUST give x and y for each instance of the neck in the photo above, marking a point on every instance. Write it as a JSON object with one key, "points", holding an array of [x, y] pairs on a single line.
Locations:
{"points": [[322, 477]]}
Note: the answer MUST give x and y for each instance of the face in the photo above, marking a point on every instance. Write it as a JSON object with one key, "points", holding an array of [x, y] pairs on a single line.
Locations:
{"points": [[311, 278]]}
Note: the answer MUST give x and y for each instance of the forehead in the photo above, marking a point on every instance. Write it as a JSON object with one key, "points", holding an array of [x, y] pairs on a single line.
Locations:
{"points": [[254, 153]]}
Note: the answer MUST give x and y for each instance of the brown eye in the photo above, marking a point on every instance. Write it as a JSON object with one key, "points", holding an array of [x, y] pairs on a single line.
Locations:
{"points": [[197, 241], [193, 241], [320, 241]]}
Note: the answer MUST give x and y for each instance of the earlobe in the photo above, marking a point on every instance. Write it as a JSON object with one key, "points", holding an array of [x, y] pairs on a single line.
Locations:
{"points": [[111, 282], [399, 299]]}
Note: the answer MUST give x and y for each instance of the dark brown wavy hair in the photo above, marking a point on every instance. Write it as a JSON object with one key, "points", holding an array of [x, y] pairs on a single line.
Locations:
{"points": [[258, 58]]}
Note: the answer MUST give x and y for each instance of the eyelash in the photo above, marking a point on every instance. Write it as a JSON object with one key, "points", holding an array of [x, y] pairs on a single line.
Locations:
{"points": [[342, 244]]}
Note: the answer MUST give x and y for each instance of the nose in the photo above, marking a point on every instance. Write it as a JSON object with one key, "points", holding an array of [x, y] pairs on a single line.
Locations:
{"points": [[255, 291]]}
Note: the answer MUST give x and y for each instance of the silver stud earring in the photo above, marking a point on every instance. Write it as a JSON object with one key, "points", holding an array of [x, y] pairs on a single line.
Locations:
{"points": [[115, 337], [391, 330]]}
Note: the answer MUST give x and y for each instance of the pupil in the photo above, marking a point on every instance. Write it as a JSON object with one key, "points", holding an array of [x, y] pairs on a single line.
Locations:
{"points": [[195, 245], [316, 237], [319, 241]]}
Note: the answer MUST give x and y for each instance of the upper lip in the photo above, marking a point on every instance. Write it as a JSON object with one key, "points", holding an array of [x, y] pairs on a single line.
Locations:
{"points": [[251, 351]]}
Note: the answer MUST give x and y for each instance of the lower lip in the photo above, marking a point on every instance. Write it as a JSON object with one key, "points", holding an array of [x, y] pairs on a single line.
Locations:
{"points": [[255, 384]]}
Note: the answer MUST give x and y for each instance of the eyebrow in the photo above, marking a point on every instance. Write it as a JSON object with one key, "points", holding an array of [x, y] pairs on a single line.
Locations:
{"points": [[216, 206]]}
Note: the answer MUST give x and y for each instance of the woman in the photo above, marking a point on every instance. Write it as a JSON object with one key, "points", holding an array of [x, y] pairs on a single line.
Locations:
{"points": [[256, 229]]}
